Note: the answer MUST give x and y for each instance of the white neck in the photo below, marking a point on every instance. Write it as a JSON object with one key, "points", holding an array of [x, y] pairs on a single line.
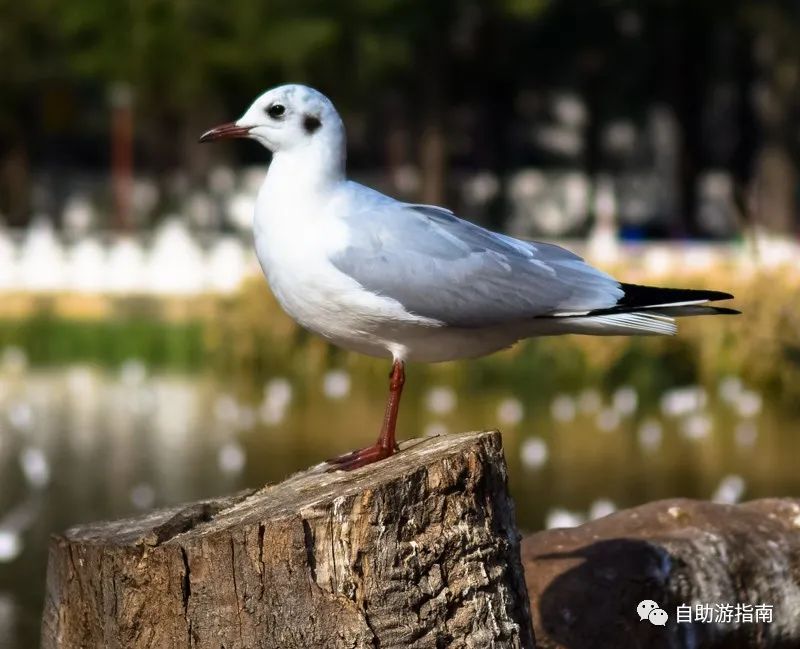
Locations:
{"points": [[311, 168]]}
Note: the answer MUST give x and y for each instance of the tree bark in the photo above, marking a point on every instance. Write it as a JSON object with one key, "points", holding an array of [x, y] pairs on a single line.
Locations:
{"points": [[418, 551]]}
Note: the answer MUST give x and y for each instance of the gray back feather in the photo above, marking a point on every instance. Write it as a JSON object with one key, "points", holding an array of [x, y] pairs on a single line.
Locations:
{"points": [[442, 267]]}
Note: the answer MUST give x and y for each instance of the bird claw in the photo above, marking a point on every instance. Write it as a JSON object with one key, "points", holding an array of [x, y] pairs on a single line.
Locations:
{"points": [[359, 458]]}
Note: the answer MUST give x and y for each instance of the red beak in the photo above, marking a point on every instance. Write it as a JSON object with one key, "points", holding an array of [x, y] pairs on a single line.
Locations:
{"points": [[225, 132]]}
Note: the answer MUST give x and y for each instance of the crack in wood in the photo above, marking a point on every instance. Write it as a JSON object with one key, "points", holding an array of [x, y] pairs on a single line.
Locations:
{"points": [[308, 537]]}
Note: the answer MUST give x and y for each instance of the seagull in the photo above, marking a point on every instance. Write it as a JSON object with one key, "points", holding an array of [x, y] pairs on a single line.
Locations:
{"points": [[414, 282]]}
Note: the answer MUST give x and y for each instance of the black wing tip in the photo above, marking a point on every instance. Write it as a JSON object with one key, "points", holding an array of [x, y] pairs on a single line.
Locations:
{"points": [[713, 296], [721, 310], [640, 295]]}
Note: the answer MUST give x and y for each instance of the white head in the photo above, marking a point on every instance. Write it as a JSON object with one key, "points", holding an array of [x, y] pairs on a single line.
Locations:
{"points": [[288, 118]]}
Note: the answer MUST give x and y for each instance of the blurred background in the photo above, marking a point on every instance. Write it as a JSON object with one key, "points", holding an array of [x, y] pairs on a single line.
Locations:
{"points": [[143, 361]]}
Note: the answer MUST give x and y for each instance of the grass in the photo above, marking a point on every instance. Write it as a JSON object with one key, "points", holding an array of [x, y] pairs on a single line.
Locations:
{"points": [[52, 340]]}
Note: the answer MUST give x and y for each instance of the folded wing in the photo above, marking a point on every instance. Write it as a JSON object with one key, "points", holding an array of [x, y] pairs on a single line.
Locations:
{"points": [[442, 267]]}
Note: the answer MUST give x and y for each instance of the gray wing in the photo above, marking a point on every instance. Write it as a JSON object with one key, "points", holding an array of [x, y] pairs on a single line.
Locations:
{"points": [[441, 267]]}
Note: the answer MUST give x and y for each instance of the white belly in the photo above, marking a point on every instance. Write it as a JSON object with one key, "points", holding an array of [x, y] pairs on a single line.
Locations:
{"points": [[320, 297]]}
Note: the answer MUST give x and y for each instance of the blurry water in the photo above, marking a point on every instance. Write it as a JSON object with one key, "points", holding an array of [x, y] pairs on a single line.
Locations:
{"points": [[80, 444]]}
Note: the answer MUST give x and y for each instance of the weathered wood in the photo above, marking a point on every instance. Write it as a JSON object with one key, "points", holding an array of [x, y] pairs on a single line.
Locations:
{"points": [[419, 551], [586, 582]]}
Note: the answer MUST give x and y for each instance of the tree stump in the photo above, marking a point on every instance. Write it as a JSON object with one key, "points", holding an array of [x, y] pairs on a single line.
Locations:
{"points": [[586, 582], [419, 551]]}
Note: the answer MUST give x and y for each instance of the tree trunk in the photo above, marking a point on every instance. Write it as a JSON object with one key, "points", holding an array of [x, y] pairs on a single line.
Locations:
{"points": [[15, 182], [418, 551], [122, 155], [433, 138], [433, 159]]}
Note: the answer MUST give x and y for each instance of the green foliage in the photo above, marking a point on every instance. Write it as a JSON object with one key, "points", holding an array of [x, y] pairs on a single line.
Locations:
{"points": [[525, 9], [50, 340], [186, 57], [176, 53]]}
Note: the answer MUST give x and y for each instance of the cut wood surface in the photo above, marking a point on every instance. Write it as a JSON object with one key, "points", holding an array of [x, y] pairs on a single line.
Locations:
{"points": [[418, 551], [586, 582]]}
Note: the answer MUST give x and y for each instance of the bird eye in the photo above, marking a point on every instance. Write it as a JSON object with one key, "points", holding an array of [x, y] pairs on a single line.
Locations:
{"points": [[276, 110]]}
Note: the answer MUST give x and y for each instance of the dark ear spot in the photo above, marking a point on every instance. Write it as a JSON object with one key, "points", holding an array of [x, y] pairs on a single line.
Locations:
{"points": [[311, 123]]}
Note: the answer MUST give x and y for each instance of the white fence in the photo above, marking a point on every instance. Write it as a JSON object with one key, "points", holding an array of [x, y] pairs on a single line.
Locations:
{"points": [[172, 261]]}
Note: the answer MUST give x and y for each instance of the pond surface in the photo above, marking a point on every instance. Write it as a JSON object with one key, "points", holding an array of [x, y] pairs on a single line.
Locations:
{"points": [[80, 443]]}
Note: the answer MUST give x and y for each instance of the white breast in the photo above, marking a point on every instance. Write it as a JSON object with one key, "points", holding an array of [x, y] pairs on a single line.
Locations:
{"points": [[294, 241]]}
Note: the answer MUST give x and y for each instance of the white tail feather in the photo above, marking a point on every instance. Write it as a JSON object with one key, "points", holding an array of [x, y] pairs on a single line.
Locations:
{"points": [[623, 324]]}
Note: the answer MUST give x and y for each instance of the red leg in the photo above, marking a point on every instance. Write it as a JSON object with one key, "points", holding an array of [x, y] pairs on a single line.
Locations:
{"points": [[386, 444]]}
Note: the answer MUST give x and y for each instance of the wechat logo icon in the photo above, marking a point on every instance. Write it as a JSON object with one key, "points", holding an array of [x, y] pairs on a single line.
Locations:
{"points": [[652, 612]]}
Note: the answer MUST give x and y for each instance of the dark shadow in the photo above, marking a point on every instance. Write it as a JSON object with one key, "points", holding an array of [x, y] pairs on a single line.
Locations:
{"points": [[593, 604]]}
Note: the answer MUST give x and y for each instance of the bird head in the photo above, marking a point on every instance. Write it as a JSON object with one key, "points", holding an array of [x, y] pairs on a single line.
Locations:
{"points": [[285, 118]]}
